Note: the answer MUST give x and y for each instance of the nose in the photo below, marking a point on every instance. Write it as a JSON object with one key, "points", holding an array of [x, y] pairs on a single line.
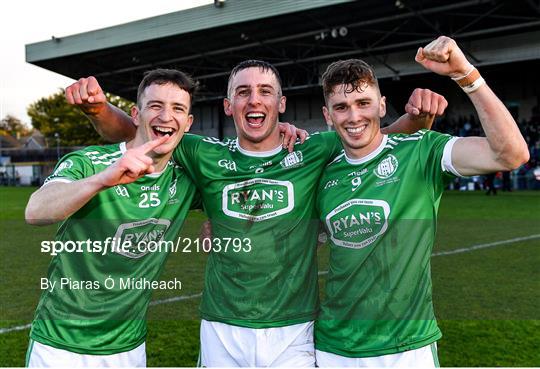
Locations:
{"points": [[254, 98], [355, 114], [165, 115]]}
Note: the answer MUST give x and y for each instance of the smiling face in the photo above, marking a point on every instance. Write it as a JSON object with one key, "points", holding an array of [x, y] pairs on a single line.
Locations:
{"points": [[162, 110], [255, 102], [356, 114]]}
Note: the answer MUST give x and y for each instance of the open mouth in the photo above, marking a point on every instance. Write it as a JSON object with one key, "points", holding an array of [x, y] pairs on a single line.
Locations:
{"points": [[355, 131], [160, 131], [255, 120]]}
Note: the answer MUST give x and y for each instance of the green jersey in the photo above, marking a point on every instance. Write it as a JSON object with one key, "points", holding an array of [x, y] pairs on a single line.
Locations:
{"points": [[380, 214], [265, 201], [103, 283]]}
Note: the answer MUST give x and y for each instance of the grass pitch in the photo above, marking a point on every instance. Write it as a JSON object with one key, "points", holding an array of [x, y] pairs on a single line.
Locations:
{"points": [[485, 283]]}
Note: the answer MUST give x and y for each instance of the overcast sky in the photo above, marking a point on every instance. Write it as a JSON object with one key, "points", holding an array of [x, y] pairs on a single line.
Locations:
{"points": [[27, 21]]}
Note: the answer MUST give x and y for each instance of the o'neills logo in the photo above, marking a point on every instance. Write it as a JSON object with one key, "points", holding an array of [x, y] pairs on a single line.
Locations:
{"points": [[258, 199], [357, 223]]}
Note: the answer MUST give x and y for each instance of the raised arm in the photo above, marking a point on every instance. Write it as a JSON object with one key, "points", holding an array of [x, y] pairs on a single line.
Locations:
{"points": [[503, 148], [56, 201], [421, 109], [110, 122]]}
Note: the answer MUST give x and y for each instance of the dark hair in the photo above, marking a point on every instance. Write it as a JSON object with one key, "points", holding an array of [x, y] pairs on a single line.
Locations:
{"points": [[253, 63], [163, 76], [354, 73]]}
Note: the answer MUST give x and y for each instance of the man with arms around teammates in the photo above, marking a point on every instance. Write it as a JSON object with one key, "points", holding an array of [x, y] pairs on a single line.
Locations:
{"points": [[258, 303], [379, 202], [112, 192]]}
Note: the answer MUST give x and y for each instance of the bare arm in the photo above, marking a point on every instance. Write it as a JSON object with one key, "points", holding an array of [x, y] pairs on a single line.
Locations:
{"points": [[421, 109], [56, 201], [503, 148], [110, 122]]}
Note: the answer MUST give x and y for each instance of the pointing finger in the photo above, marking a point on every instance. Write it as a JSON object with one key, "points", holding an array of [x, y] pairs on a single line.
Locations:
{"points": [[151, 145]]}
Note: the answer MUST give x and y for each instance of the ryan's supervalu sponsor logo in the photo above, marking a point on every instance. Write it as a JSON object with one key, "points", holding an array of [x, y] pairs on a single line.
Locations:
{"points": [[139, 235], [357, 223], [258, 199]]}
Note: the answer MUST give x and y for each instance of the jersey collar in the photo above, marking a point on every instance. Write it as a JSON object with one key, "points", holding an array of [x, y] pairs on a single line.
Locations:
{"points": [[369, 156], [258, 154]]}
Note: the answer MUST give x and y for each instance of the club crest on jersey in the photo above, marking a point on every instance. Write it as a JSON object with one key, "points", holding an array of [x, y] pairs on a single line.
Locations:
{"points": [[140, 235], [64, 165], [258, 199], [357, 223], [387, 167], [172, 189], [292, 160], [121, 191]]}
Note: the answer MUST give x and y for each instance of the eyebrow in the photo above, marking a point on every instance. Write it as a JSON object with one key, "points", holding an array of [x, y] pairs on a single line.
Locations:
{"points": [[355, 101], [259, 86], [161, 102]]}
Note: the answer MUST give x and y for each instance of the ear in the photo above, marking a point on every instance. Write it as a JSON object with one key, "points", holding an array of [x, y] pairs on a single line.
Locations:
{"points": [[326, 114], [135, 114], [282, 104], [382, 107], [227, 107], [189, 123]]}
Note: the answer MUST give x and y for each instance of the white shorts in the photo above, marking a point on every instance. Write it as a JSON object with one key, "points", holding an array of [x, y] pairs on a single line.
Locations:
{"points": [[44, 356], [423, 357], [225, 345]]}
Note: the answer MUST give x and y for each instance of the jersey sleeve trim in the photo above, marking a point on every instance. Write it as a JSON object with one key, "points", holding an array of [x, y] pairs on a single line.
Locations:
{"points": [[446, 160], [60, 180]]}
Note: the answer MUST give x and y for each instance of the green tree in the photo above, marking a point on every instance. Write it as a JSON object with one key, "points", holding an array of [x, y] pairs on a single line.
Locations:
{"points": [[52, 114], [13, 126]]}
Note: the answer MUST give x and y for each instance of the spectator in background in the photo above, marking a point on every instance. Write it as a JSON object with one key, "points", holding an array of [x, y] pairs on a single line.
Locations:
{"points": [[506, 183], [490, 184]]}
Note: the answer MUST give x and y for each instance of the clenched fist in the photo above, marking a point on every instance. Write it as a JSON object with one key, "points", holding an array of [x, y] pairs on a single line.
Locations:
{"points": [[87, 95], [444, 57]]}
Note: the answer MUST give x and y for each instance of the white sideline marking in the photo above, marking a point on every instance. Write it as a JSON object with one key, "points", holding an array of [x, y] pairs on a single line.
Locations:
{"points": [[442, 253], [486, 245], [174, 299], [13, 329]]}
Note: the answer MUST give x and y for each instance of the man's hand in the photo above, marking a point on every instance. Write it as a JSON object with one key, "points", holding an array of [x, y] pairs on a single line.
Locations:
{"points": [[424, 105], [205, 233], [421, 109], [87, 95], [291, 134], [134, 164], [444, 57]]}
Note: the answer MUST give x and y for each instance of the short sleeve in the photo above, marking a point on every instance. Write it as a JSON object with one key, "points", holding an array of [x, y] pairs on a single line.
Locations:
{"points": [[70, 168], [434, 154], [329, 142]]}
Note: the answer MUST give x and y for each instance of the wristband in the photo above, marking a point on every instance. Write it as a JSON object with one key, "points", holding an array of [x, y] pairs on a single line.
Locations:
{"points": [[471, 81]]}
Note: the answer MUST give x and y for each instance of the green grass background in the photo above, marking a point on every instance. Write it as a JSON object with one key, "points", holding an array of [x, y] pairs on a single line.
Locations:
{"points": [[487, 300]]}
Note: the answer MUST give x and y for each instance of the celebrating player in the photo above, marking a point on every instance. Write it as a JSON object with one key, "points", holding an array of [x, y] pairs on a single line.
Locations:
{"points": [[379, 202], [90, 314], [259, 304]]}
